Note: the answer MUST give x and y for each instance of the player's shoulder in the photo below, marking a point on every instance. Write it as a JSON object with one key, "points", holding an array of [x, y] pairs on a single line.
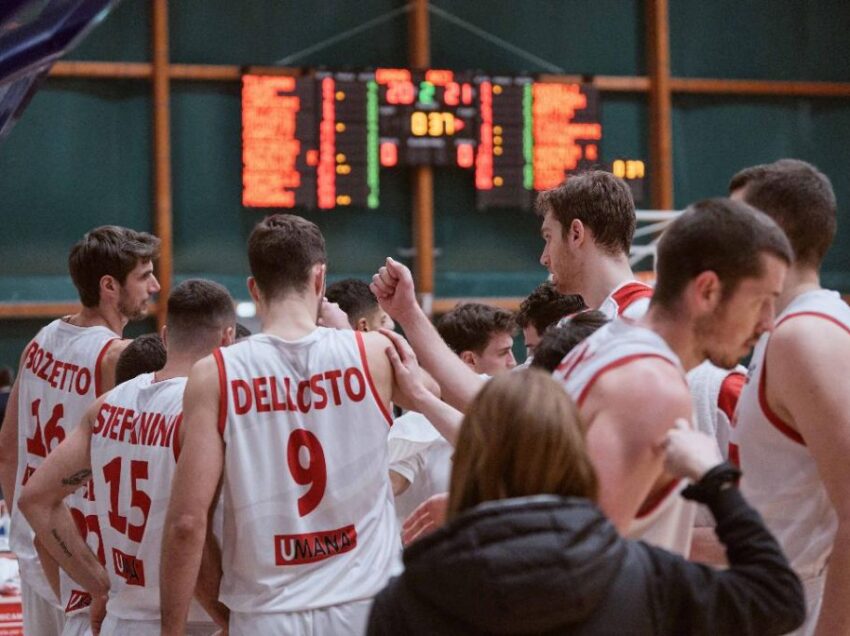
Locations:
{"points": [[810, 334], [114, 348], [645, 379]]}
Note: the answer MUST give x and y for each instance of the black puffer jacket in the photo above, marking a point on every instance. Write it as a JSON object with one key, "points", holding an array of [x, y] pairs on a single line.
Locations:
{"points": [[552, 565]]}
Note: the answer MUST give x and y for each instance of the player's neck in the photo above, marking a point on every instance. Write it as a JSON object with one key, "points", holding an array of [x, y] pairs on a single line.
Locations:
{"points": [[798, 280], [606, 275], [677, 332], [99, 317], [290, 318], [177, 365]]}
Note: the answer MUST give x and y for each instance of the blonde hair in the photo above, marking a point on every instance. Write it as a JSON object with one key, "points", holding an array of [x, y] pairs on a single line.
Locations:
{"points": [[521, 436]]}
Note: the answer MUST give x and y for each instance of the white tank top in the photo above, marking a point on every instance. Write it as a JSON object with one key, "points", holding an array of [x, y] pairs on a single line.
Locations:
{"points": [[308, 512], [134, 448], [629, 300], [59, 380], [780, 475], [666, 521]]}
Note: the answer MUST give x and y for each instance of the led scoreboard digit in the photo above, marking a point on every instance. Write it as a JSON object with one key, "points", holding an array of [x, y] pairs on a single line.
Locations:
{"points": [[427, 117], [321, 140]]}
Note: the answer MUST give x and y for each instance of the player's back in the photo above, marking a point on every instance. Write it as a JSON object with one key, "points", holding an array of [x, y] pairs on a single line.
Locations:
{"points": [[308, 516], [134, 448], [666, 520], [781, 478], [59, 380], [628, 300]]}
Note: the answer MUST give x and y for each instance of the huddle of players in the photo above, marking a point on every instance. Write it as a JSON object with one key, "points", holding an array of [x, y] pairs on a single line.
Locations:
{"points": [[261, 467]]}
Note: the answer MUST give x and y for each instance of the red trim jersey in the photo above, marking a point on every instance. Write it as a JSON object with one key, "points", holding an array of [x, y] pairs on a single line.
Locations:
{"points": [[308, 510], [59, 380], [629, 300], [780, 475], [666, 520], [134, 447]]}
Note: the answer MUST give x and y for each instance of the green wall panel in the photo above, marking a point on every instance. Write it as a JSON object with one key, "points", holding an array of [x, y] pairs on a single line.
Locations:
{"points": [[124, 35], [761, 39]]}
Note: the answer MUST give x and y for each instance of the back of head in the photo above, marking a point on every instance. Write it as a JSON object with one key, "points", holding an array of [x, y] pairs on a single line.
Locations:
{"points": [[521, 436], [470, 326], [354, 297], [799, 197], [557, 342], [109, 250], [145, 354], [546, 306], [282, 250], [601, 201], [199, 312], [727, 237]]}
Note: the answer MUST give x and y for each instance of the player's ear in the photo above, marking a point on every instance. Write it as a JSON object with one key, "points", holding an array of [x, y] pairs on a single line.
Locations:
{"points": [[109, 286], [253, 290], [469, 358], [163, 333], [361, 325], [228, 336], [319, 272], [707, 290], [577, 233]]}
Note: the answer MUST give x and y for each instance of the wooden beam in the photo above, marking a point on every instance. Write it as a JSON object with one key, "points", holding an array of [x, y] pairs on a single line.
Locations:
{"points": [[162, 153], [25, 311], [660, 104], [707, 86], [444, 305], [423, 176]]}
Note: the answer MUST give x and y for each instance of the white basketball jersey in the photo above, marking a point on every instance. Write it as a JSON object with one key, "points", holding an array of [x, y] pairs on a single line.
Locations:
{"points": [[667, 520], [780, 475], [59, 380], [134, 448], [629, 300], [308, 513]]}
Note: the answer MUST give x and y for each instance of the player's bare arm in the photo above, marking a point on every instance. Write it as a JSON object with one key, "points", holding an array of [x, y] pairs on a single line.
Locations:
{"points": [[209, 577], [393, 286], [811, 393], [66, 470], [193, 491], [627, 411], [9, 440], [109, 362]]}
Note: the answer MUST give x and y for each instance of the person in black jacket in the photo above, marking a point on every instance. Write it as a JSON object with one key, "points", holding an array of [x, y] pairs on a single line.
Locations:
{"points": [[527, 551]]}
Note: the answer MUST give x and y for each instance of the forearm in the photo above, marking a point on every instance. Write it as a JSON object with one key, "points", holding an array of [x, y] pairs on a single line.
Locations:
{"points": [[56, 531], [445, 418], [182, 548], [459, 384], [49, 566], [209, 581], [835, 612]]}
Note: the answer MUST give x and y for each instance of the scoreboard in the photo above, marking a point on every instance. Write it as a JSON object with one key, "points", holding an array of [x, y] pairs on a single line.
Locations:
{"points": [[321, 140]]}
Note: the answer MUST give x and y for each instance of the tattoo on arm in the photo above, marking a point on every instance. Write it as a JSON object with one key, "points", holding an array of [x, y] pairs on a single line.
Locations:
{"points": [[79, 477], [60, 542]]}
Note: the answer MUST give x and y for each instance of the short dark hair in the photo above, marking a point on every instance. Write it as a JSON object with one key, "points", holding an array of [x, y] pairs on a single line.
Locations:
{"points": [[354, 297], [720, 235], [799, 197], [470, 326], [282, 249], [197, 312], [546, 305], [7, 376], [557, 342], [145, 354], [601, 201], [109, 250]]}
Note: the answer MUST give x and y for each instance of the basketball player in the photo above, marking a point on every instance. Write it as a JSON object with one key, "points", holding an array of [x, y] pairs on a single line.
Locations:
{"points": [[354, 297], [543, 307], [66, 366], [293, 421], [721, 266], [144, 354], [718, 295], [793, 421], [127, 443]]}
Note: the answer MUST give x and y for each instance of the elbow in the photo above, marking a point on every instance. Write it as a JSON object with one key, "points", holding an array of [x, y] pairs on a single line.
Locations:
{"points": [[188, 529]]}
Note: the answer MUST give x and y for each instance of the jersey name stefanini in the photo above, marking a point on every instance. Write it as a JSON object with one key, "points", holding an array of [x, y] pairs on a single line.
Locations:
{"points": [[145, 429]]}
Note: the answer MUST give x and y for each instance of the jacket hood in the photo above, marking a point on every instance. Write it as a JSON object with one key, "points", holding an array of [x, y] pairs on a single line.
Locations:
{"points": [[520, 565]]}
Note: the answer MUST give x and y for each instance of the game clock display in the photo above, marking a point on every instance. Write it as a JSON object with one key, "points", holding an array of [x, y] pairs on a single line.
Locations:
{"points": [[321, 140]]}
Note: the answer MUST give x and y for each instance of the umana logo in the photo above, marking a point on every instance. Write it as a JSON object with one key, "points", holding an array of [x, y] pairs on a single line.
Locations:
{"points": [[298, 549], [79, 600]]}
